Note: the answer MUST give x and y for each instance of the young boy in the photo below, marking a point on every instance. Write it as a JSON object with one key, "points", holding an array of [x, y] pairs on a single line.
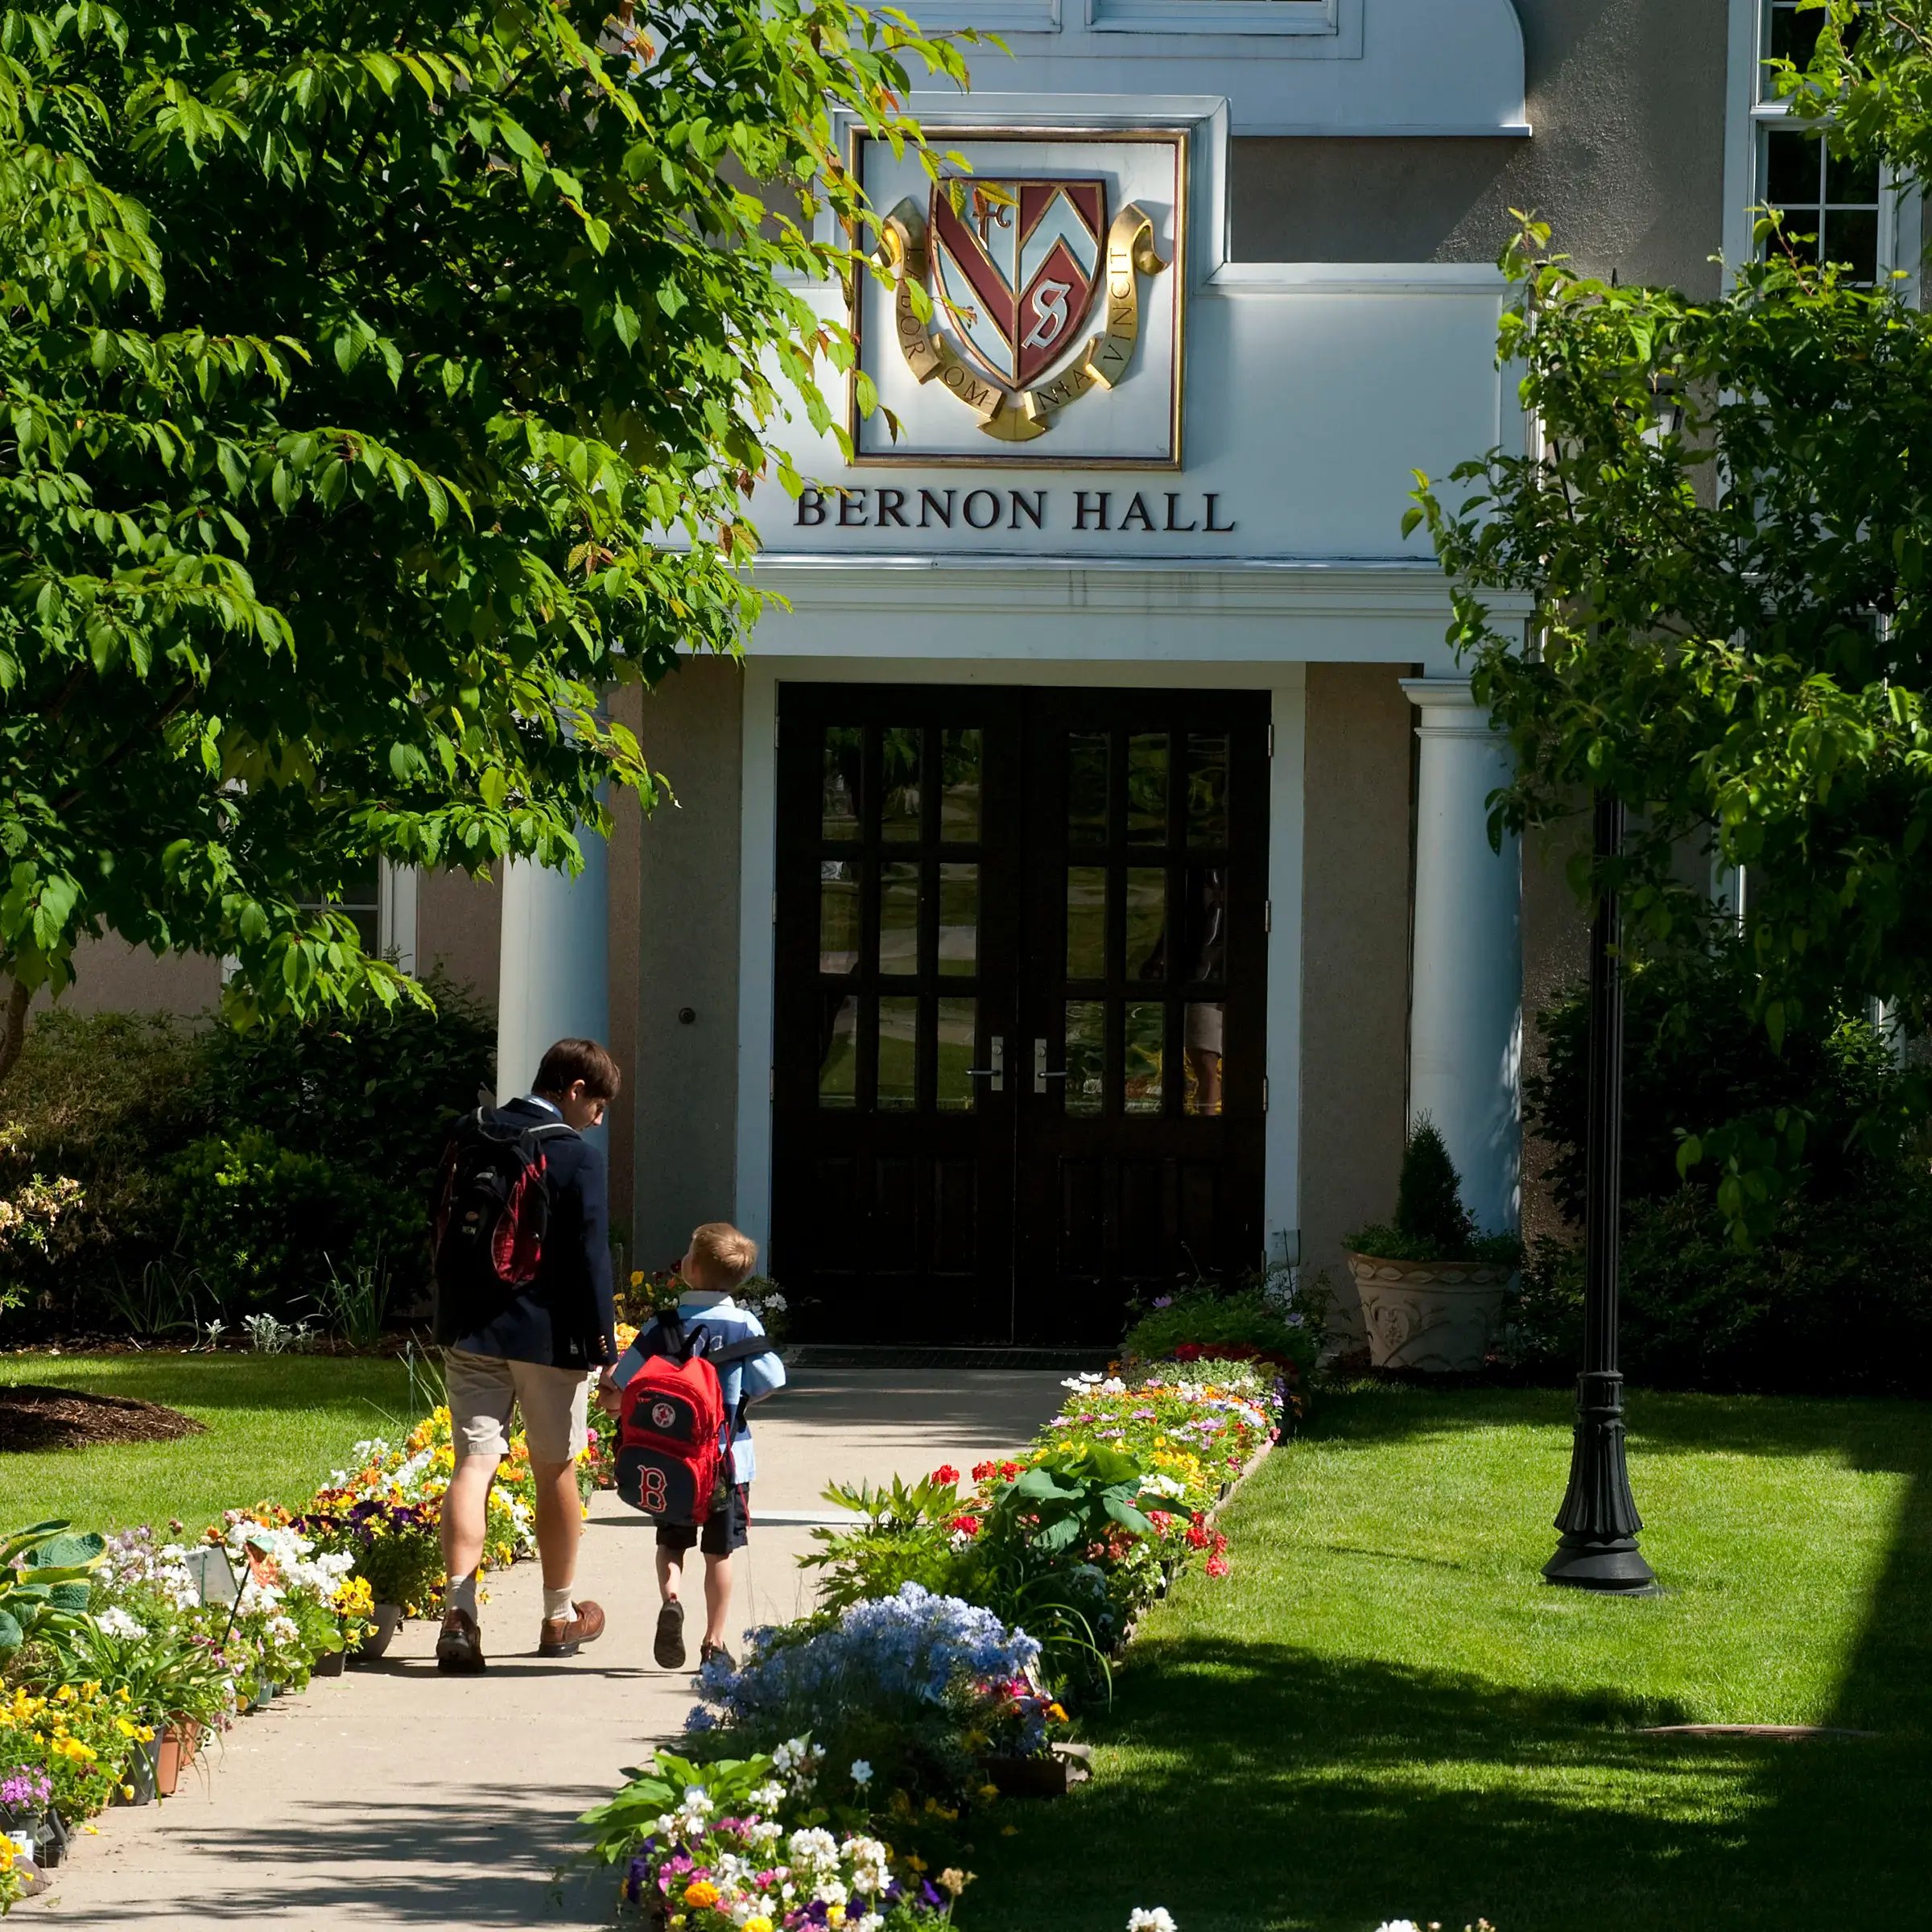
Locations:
{"points": [[716, 1263]]}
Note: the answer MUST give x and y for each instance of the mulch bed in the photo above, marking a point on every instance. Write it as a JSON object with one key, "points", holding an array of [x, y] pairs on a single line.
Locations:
{"points": [[34, 1416]]}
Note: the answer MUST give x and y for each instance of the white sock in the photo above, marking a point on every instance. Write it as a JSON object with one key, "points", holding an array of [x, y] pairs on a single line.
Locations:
{"points": [[461, 1594], [557, 1603]]}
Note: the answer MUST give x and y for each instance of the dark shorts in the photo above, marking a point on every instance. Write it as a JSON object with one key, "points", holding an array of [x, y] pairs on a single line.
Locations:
{"points": [[728, 1527]]}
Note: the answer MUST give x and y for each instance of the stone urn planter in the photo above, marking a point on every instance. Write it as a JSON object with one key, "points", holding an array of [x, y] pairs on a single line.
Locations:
{"points": [[1440, 1316]]}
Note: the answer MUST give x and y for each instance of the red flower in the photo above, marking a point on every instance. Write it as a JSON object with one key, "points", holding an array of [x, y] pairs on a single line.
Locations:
{"points": [[945, 1473], [1160, 1518], [1197, 1537], [985, 1471], [1217, 1566], [1010, 1470], [1220, 1542], [967, 1525]]}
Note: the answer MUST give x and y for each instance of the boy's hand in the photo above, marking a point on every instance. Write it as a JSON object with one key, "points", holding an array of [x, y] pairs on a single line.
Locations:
{"points": [[609, 1396]]}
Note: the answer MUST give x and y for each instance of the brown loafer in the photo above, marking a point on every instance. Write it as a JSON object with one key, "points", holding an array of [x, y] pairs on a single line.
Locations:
{"points": [[560, 1636], [460, 1644]]}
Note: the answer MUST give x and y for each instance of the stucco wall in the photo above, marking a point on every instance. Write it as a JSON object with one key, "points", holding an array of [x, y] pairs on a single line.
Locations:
{"points": [[1627, 101], [684, 918], [112, 977], [1355, 958], [460, 929]]}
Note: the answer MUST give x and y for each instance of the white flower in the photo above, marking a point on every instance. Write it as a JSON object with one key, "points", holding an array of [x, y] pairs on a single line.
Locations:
{"points": [[1156, 1918], [116, 1622], [871, 1922], [861, 1773], [1399, 1925], [768, 1798], [1113, 1385]]}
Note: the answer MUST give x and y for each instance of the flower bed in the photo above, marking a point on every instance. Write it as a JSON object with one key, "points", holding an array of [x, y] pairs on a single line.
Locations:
{"points": [[959, 1617], [111, 1647]]}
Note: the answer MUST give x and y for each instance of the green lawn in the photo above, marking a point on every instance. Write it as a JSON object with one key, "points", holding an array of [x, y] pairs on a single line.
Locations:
{"points": [[1384, 1712], [277, 1425]]}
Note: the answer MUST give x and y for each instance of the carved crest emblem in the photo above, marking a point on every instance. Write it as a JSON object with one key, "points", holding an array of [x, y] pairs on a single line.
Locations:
{"points": [[1012, 268], [1016, 265]]}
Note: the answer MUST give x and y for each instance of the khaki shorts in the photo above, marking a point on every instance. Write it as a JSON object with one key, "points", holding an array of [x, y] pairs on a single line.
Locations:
{"points": [[485, 1389]]}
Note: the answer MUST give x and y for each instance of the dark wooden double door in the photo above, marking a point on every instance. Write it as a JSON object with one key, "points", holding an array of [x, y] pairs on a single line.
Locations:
{"points": [[1021, 1005]]}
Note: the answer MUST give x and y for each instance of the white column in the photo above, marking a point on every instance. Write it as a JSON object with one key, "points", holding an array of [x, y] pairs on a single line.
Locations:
{"points": [[555, 982], [1465, 1002]]}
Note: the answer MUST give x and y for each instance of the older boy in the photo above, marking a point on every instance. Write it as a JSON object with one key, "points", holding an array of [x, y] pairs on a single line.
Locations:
{"points": [[718, 1263], [531, 1349]]}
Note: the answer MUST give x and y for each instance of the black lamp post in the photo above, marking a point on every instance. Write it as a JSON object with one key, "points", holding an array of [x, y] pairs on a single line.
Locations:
{"points": [[1599, 1517]]}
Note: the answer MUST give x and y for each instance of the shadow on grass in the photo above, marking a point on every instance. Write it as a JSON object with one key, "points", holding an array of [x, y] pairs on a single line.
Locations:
{"points": [[1270, 1787], [228, 1381]]}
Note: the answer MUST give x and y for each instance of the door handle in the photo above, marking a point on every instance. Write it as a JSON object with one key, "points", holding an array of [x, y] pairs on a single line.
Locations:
{"points": [[996, 1072], [1042, 1072]]}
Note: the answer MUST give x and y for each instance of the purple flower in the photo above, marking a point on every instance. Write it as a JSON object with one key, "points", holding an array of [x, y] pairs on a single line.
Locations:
{"points": [[25, 1788], [1163, 1301]]}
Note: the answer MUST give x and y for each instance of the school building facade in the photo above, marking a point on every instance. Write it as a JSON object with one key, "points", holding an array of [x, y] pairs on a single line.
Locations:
{"points": [[1086, 879]]}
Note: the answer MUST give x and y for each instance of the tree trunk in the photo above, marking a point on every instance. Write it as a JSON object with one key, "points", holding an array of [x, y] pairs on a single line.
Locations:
{"points": [[13, 1025]]}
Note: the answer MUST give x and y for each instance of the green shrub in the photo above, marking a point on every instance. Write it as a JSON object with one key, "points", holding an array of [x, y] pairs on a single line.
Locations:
{"points": [[101, 1099], [1836, 1295], [1693, 1060], [1255, 1318], [221, 1172], [1837, 1298], [267, 1227], [1431, 1224]]}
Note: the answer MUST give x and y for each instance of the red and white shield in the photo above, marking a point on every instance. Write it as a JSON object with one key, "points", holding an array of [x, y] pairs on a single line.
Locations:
{"points": [[1015, 265]]}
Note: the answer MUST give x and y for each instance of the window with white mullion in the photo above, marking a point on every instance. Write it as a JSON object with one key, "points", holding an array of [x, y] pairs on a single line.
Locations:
{"points": [[1834, 210]]}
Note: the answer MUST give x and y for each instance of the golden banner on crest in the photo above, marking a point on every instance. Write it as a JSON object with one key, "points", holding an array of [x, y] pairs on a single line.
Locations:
{"points": [[1018, 415]]}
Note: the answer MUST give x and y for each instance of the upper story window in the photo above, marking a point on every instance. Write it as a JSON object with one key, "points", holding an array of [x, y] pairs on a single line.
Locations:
{"points": [[1834, 210]]}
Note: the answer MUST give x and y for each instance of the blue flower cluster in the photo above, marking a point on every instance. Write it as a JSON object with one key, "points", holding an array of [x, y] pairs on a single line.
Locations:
{"points": [[913, 1647]]}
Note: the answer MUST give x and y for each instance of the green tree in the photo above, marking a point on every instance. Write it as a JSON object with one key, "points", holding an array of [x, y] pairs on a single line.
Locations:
{"points": [[383, 381], [1724, 523]]}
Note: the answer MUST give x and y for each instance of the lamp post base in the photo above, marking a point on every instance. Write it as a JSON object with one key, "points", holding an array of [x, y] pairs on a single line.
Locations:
{"points": [[1613, 1566]]}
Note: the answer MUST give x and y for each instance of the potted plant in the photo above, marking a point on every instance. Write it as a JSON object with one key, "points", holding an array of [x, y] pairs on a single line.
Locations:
{"points": [[1432, 1288]]}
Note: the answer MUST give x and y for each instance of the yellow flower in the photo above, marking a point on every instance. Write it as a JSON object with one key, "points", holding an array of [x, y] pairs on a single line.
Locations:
{"points": [[917, 1862], [835, 1915], [700, 1894], [757, 1922], [954, 1880]]}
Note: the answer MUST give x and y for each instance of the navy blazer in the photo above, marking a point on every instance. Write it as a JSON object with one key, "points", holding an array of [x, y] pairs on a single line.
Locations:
{"points": [[566, 1317]]}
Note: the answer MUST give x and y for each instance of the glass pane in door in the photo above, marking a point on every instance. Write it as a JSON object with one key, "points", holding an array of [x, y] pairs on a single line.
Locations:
{"points": [[1147, 788], [901, 751], [839, 884], [959, 786], [898, 919], [898, 1054], [954, 1087], [1086, 1056], [959, 919], [1141, 1084]]}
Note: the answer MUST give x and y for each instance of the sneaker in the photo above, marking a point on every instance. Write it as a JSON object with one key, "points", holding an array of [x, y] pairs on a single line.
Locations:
{"points": [[562, 1637], [669, 1649], [460, 1644], [709, 1652]]}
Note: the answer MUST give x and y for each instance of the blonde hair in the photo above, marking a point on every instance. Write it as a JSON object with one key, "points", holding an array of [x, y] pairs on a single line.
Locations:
{"points": [[723, 1257]]}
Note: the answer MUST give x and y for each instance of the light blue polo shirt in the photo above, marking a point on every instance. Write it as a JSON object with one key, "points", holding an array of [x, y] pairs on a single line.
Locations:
{"points": [[747, 1382]]}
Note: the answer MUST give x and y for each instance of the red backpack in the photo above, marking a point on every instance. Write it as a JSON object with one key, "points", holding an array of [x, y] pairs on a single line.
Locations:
{"points": [[669, 1462]]}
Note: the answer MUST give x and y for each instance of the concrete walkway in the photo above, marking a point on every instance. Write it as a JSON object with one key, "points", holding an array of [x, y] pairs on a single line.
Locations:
{"points": [[392, 1796]]}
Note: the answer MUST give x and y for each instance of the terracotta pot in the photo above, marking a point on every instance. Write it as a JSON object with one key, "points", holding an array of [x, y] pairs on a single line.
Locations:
{"points": [[388, 1619], [1440, 1316], [179, 1743]]}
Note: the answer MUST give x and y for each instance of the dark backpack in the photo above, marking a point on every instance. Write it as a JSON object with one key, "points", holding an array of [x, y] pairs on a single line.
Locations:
{"points": [[492, 1212]]}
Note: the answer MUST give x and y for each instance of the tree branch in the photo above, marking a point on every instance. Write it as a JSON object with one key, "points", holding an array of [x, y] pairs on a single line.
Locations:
{"points": [[13, 1025]]}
